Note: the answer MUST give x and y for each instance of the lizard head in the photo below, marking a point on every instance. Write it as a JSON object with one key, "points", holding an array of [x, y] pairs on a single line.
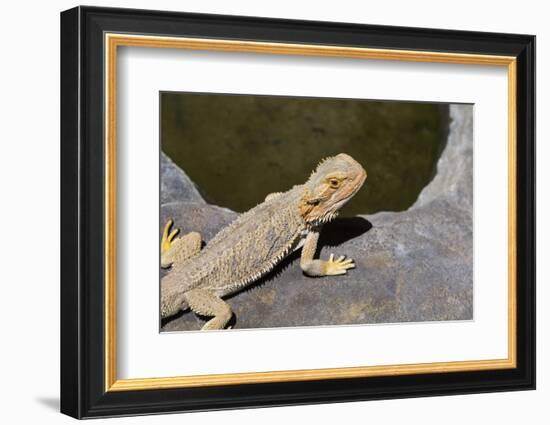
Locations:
{"points": [[330, 186]]}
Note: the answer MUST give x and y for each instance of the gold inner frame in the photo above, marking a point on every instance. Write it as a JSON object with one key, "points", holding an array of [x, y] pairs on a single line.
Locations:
{"points": [[113, 41]]}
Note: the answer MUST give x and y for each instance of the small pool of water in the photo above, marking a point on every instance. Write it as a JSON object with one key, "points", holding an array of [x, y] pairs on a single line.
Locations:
{"points": [[238, 148]]}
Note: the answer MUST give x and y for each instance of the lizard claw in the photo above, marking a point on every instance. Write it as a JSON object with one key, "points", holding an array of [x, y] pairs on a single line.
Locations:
{"points": [[338, 266], [168, 236]]}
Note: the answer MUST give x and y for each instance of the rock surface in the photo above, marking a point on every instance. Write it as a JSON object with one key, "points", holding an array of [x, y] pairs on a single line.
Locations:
{"points": [[175, 185], [415, 265]]}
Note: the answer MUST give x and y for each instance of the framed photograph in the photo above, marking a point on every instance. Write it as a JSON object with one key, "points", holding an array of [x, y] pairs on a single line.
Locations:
{"points": [[261, 212]]}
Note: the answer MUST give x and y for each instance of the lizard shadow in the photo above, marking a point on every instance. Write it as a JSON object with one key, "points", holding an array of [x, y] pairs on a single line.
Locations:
{"points": [[341, 230], [334, 233]]}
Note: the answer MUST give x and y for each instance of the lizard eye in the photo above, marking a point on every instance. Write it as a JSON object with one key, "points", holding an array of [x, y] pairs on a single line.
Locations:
{"points": [[334, 183]]}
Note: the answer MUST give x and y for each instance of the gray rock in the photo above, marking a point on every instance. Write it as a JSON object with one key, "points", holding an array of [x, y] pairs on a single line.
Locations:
{"points": [[414, 265], [175, 185], [454, 179]]}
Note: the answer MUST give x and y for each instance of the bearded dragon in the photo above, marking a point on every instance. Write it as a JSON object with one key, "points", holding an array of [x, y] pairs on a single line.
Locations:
{"points": [[255, 242]]}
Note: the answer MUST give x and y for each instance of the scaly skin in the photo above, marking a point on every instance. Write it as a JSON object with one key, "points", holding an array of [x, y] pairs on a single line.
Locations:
{"points": [[256, 242]]}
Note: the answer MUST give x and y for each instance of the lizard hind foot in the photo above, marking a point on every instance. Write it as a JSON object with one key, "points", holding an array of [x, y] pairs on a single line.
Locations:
{"points": [[206, 303]]}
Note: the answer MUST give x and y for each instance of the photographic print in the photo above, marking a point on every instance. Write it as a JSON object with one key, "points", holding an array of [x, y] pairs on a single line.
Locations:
{"points": [[281, 211]]}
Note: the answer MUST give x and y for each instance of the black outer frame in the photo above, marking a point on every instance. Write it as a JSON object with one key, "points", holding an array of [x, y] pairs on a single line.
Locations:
{"points": [[82, 212]]}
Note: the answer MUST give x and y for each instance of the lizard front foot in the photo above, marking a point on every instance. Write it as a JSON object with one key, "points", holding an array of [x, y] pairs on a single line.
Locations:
{"points": [[168, 236], [177, 249], [339, 266]]}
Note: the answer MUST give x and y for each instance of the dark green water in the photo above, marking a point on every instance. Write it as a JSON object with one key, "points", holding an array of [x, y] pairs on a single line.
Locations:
{"points": [[237, 149]]}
